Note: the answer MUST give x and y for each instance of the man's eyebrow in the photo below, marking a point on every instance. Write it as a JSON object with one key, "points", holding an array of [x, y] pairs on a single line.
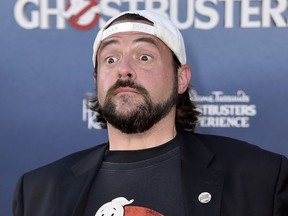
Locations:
{"points": [[107, 43], [148, 40], [115, 41]]}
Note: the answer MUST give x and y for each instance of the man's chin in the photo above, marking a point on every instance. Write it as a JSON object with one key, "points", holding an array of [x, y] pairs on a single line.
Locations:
{"points": [[128, 103], [129, 108], [128, 123], [132, 130]]}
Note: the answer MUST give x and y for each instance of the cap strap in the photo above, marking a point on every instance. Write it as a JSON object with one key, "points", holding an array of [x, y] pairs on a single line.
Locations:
{"points": [[128, 27]]}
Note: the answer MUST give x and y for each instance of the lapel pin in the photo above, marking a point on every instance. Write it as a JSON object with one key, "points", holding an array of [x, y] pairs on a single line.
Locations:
{"points": [[204, 197]]}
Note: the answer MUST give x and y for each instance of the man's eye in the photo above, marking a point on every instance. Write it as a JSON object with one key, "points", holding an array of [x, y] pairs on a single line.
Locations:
{"points": [[111, 60], [145, 57]]}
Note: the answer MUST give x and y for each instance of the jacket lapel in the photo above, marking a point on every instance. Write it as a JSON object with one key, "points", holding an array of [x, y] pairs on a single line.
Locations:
{"points": [[199, 177], [74, 189]]}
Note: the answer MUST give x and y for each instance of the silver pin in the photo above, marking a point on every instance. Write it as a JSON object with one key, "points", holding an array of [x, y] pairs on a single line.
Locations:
{"points": [[204, 197]]}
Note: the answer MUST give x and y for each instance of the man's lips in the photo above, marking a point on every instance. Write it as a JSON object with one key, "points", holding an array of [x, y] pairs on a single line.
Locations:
{"points": [[125, 90]]}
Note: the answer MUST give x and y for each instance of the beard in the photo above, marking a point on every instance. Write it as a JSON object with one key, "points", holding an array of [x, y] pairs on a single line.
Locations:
{"points": [[144, 115]]}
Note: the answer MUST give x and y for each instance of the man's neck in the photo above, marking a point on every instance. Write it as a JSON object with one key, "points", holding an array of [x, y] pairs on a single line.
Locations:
{"points": [[160, 133]]}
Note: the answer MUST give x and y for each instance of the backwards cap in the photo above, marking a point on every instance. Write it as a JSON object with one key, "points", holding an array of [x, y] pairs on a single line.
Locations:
{"points": [[162, 28]]}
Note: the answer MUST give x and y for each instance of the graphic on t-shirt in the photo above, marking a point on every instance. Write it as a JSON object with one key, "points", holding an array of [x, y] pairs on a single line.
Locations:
{"points": [[118, 207]]}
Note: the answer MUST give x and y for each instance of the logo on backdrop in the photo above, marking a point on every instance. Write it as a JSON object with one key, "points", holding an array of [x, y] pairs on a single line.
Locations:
{"points": [[89, 116], [82, 15], [200, 14], [224, 111], [218, 110]]}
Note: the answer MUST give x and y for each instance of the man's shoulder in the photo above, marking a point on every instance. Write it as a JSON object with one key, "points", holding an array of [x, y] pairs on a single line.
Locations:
{"points": [[62, 165], [231, 150]]}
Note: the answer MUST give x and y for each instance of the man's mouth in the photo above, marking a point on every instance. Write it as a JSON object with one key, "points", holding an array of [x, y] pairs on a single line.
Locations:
{"points": [[121, 90]]}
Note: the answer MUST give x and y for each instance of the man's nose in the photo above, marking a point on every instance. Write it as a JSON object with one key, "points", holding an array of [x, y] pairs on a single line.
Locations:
{"points": [[126, 69]]}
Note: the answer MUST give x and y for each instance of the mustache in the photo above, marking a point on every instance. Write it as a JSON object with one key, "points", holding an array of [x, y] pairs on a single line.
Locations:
{"points": [[127, 83]]}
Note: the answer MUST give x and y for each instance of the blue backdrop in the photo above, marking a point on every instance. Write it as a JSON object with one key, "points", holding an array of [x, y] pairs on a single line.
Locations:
{"points": [[237, 51]]}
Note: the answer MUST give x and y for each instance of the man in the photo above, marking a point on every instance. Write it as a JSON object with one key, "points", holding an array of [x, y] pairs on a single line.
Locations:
{"points": [[153, 163]]}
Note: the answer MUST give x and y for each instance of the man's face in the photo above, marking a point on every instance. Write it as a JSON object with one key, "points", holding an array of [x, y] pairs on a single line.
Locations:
{"points": [[136, 82]]}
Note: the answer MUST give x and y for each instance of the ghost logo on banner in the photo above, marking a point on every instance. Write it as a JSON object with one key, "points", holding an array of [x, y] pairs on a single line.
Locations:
{"points": [[82, 14]]}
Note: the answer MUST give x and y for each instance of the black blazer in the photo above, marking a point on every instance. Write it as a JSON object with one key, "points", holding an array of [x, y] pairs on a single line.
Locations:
{"points": [[242, 179]]}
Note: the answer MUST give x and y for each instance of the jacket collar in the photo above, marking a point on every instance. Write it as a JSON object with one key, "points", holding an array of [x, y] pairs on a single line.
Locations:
{"points": [[74, 189], [199, 176]]}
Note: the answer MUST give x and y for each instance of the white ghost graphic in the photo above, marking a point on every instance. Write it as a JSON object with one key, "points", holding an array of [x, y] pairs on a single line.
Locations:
{"points": [[115, 207]]}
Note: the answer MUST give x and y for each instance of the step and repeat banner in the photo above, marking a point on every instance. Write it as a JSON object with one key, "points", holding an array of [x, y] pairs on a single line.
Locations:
{"points": [[237, 49]]}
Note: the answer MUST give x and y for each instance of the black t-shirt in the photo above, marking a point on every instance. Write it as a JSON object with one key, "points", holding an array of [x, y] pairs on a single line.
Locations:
{"points": [[142, 182]]}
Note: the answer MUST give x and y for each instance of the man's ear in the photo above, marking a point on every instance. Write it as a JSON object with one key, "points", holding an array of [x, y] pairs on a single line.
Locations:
{"points": [[184, 77], [95, 77]]}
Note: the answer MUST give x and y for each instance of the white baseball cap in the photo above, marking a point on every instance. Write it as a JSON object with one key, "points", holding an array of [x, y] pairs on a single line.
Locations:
{"points": [[162, 28]]}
